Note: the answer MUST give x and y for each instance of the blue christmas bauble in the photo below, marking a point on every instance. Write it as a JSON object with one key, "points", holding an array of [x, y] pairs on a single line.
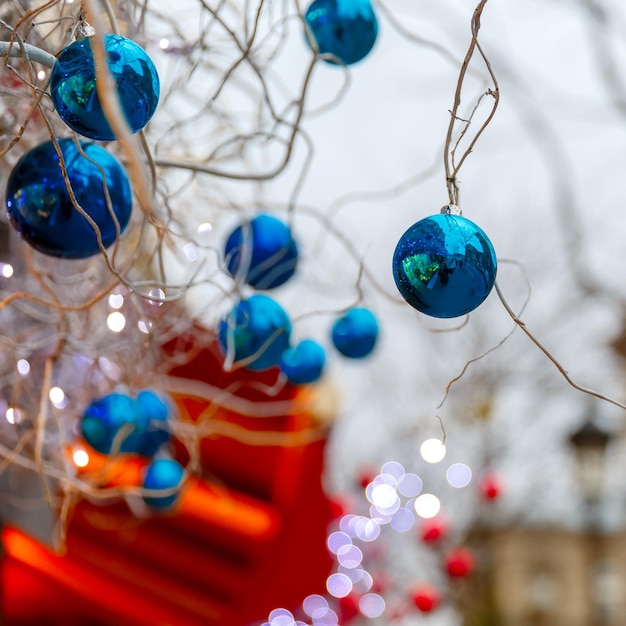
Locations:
{"points": [[303, 364], [134, 425], [151, 430], [104, 419], [444, 265], [74, 93], [163, 474], [258, 329], [347, 29], [355, 333], [262, 252], [41, 210]]}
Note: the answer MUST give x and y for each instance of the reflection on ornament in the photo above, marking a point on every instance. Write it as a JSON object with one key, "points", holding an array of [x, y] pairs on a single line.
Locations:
{"points": [[262, 252], [355, 333], [40, 207], [444, 265], [74, 93], [163, 474], [120, 423], [346, 29], [257, 330], [303, 364]]}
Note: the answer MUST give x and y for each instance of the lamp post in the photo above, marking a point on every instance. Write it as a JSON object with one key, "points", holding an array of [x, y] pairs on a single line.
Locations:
{"points": [[590, 443]]}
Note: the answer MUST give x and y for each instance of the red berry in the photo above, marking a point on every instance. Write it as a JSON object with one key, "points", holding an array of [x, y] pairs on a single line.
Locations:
{"points": [[366, 476], [426, 598], [433, 530], [491, 486], [459, 563]]}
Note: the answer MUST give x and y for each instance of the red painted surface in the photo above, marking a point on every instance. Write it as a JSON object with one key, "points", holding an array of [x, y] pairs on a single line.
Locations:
{"points": [[248, 535]]}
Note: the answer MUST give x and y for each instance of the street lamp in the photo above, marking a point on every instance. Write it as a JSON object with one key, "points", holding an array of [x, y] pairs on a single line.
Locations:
{"points": [[590, 443]]}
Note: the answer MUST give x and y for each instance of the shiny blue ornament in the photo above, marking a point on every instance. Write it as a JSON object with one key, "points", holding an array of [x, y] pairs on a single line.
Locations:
{"points": [[143, 421], [262, 252], [303, 364], [74, 93], [347, 29], [355, 333], [151, 430], [258, 329], [163, 474], [444, 265], [105, 418], [41, 210]]}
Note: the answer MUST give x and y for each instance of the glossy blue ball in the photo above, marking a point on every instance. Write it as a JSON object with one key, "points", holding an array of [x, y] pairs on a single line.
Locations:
{"points": [[444, 265], [303, 364], [41, 210], [104, 419], [262, 252], [163, 474], [74, 93], [355, 333], [347, 29], [258, 329], [136, 426], [151, 430]]}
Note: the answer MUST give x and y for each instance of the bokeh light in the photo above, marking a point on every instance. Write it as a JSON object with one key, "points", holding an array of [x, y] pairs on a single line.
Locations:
{"points": [[393, 468], [338, 539], [57, 397], [116, 322], [410, 485], [459, 475], [349, 556], [6, 269], [372, 605], [281, 617], [403, 520], [315, 605], [80, 457], [339, 585], [116, 300], [433, 450], [427, 505]]}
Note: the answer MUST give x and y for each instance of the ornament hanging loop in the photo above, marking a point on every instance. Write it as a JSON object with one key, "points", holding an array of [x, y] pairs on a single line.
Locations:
{"points": [[451, 209]]}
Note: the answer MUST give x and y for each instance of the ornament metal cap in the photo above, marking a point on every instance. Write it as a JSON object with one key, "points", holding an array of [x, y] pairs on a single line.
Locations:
{"points": [[451, 209], [84, 29]]}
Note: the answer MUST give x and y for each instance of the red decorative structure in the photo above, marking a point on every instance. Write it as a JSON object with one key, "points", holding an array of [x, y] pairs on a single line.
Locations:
{"points": [[248, 535]]}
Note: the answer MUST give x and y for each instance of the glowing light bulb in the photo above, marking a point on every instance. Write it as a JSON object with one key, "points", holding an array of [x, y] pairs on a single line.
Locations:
{"points": [[23, 367], [164, 44]]}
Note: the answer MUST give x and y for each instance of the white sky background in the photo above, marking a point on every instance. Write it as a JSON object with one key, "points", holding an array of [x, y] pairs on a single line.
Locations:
{"points": [[388, 128], [555, 126]]}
